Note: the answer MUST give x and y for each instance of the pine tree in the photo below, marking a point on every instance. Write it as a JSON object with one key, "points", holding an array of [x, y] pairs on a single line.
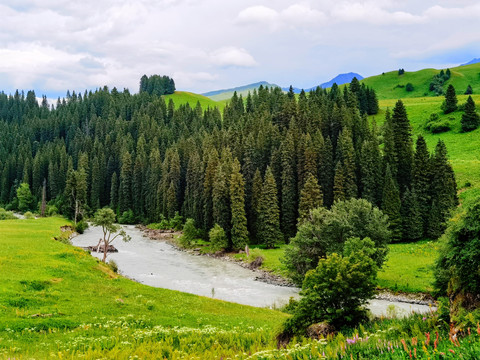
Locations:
{"points": [[311, 197], [209, 179], [269, 214], [370, 170], [237, 202], [391, 205], [469, 90], [421, 180], [95, 187], [348, 164], [257, 186], [412, 225], [327, 172], [443, 192], [402, 134], [470, 119], [389, 151], [221, 193], [289, 188], [339, 184], [114, 192], [450, 103], [125, 192]]}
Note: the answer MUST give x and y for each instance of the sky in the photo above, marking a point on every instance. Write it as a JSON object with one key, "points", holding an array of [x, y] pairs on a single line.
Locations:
{"points": [[54, 45]]}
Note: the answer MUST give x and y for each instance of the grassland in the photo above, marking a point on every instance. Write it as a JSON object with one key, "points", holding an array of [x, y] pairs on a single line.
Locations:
{"points": [[184, 97], [57, 299]]}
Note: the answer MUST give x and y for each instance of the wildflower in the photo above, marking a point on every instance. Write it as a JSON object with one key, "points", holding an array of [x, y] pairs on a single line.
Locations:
{"points": [[453, 352], [404, 344], [427, 340]]}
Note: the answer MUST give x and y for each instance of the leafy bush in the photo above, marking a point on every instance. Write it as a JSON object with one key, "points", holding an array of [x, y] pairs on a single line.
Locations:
{"points": [[29, 215], [6, 215], [326, 231], [218, 238], [401, 71], [51, 210], [177, 222], [436, 126], [81, 226], [337, 289], [458, 267], [113, 266], [127, 217], [190, 233], [409, 87]]}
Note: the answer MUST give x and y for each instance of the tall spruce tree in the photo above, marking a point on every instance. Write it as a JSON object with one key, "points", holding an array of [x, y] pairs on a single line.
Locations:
{"points": [[391, 205], [443, 192], [450, 103], [421, 180], [470, 119], [311, 197], [269, 214], [289, 188], [257, 186], [125, 192], [412, 224], [402, 135], [237, 202]]}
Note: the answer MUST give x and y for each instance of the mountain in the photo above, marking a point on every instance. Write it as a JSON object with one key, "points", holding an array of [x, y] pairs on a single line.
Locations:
{"points": [[340, 79], [473, 61], [226, 94]]}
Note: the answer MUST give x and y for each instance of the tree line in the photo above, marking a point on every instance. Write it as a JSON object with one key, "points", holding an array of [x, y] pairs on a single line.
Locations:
{"points": [[254, 170]]}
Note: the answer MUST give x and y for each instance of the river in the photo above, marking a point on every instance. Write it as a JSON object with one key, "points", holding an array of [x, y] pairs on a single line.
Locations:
{"points": [[159, 264]]}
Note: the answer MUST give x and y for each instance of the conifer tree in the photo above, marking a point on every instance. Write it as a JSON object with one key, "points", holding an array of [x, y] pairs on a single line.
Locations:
{"points": [[339, 184], [256, 198], [210, 172], [370, 171], [311, 197], [421, 180], [289, 188], [470, 119], [412, 225], [389, 151], [125, 192], [269, 214], [348, 165], [237, 201], [443, 192], [221, 193], [402, 133], [450, 103], [114, 192], [327, 172], [391, 205]]}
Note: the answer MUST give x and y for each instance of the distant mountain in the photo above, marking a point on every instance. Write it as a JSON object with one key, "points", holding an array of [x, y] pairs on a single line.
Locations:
{"points": [[225, 94], [339, 80], [473, 61]]}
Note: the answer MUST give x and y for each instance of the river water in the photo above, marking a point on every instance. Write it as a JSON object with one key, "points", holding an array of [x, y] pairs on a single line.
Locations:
{"points": [[159, 264]]}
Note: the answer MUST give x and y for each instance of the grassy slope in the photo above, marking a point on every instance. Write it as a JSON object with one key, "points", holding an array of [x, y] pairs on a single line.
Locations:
{"points": [[386, 84], [45, 284], [184, 97]]}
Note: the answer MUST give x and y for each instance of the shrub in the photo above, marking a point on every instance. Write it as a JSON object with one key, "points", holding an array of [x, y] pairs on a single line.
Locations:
{"points": [[51, 210], [218, 238], [177, 222], [326, 231], [6, 215], [190, 233], [29, 215], [337, 289], [113, 266], [409, 87], [127, 217], [401, 71], [81, 226], [435, 125], [457, 269]]}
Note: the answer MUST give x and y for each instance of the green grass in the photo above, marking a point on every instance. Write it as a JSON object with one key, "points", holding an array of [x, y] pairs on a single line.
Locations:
{"points": [[184, 97], [409, 267], [387, 84], [52, 293], [272, 258]]}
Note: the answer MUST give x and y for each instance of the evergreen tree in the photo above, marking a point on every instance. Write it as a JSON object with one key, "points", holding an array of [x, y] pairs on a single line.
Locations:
{"points": [[402, 133], [327, 172], [237, 201], [389, 150], [125, 192], [450, 103], [443, 192], [347, 162], [469, 90], [412, 225], [391, 205], [269, 214], [256, 201], [311, 197], [470, 119], [289, 188], [421, 180], [114, 192], [209, 179], [339, 184]]}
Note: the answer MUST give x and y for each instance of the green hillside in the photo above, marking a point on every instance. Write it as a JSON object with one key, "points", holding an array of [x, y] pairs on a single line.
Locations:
{"points": [[57, 299], [390, 85], [184, 97]]}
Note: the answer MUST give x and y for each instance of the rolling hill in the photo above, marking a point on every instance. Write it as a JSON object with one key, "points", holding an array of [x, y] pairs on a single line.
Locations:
{"points": [[184, 97], [226, 94]]}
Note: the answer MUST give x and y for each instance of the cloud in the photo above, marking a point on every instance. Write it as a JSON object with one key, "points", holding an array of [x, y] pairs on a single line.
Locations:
{"points": [[296, 15], [232, 56]]}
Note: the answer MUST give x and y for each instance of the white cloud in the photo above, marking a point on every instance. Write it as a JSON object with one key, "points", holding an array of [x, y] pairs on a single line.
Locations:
{"points": [[232, 56]]}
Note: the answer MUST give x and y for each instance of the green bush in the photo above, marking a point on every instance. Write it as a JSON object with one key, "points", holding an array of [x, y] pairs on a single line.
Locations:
{"points": [[190, 233], [113, 266], [6, 215], [51, 210], [127, 218], [409, 87], [326, 231], [337, 290], [81, 226], [218, 238], [177, 222], [435, 125], [29, 215]]}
